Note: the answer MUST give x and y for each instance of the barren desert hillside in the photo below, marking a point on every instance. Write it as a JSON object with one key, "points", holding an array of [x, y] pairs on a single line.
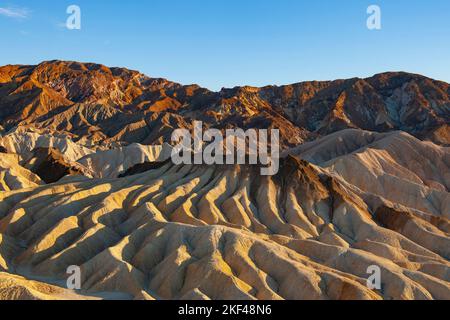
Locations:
{"points": [[86, 180]]}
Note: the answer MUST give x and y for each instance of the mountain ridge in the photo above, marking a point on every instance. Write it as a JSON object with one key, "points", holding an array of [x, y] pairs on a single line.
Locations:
{"points": [[86, 98], [86, 180]]}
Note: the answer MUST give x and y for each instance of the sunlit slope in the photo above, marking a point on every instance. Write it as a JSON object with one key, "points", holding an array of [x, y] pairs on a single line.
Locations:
{"points": [[224, 233]]}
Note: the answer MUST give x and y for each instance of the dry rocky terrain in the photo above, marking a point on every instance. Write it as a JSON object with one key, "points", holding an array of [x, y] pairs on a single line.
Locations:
{"points": [[86, 180]]}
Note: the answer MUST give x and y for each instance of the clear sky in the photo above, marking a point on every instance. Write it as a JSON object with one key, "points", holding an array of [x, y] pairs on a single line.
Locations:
{"points": [[224, 43]]}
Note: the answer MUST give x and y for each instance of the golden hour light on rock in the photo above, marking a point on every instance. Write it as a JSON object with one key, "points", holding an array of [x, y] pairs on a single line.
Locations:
{"points": [[93, 206]]}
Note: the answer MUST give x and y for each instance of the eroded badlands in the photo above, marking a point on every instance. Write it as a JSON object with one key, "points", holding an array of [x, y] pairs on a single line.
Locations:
{"points": [[226, 232]]}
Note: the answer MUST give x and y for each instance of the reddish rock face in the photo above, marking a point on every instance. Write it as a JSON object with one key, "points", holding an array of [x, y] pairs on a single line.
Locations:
{"points": [[91, 100]]}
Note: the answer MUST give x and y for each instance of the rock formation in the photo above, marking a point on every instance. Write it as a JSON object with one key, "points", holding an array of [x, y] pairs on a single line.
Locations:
{"points": [[86, 180]]}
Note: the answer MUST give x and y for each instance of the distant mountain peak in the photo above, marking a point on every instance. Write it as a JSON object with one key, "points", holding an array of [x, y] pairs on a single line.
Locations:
{"points": [[43, 95]]}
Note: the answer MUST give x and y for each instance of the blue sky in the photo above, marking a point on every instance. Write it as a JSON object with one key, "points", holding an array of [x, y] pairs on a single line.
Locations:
{"points": [[224, 43]]}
